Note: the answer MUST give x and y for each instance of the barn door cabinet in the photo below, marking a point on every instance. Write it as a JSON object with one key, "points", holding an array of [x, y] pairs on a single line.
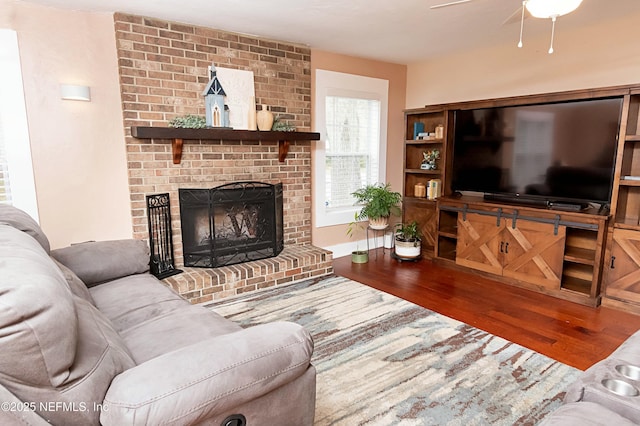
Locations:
{"points": [[527, 251], [556, 253], [622, 274]]}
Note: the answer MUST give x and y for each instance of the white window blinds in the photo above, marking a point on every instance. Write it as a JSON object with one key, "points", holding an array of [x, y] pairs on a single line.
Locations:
{"points": [[353, 143]]}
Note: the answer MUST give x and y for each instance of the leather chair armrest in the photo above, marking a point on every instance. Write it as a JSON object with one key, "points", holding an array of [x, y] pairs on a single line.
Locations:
{"points": [[198, 381]]}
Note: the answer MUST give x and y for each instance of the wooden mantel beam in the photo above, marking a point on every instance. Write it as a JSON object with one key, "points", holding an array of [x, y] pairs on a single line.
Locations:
{"points": [[178, 136]]}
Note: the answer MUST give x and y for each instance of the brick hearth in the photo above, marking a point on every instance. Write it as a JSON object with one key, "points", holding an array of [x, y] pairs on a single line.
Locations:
{"points": [[163, 70], [295, 263]]}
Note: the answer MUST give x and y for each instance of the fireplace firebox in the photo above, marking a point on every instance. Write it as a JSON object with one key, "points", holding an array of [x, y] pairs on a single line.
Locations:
{"points": [[233, 223]]}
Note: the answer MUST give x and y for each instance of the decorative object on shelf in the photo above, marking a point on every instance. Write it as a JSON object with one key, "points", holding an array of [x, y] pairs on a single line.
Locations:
{"points": [[217, 113], [429, 159], [251, 115], [189, 121], [378, 203], [264, 118], [434, 189], [408, 241], [419, 190], [240, 90], [417, 129], [426, 136], [282, 126], [439, 131]]}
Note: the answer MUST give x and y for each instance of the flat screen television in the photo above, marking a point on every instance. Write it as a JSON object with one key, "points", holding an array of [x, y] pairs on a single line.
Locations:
{"points": [[554, 153]]}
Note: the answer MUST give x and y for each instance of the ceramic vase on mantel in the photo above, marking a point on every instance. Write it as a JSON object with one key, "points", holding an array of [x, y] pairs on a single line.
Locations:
{"points": [[264, 119]]}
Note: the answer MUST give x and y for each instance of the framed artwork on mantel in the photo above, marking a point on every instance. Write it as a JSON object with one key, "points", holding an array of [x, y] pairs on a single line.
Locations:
{"points": [[240, 90]]}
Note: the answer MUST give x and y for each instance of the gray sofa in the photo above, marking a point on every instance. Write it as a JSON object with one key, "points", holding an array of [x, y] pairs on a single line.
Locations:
{"points": [[606, 394], [88, 336]]}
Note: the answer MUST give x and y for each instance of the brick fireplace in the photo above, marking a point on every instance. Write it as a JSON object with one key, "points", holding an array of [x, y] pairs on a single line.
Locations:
{"points": [[163, 70]]}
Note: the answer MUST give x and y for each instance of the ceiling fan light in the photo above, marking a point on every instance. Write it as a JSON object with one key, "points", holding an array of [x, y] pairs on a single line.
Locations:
{"points": [[550, 8]]}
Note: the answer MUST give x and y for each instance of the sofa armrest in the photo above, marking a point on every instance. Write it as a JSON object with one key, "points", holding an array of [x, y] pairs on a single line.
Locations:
{"points": [[95, 262], [194, 383]]}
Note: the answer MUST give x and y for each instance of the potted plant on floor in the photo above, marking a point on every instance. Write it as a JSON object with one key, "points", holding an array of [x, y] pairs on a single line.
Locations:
{"points": [[357, 256], [378, 202], [408, 244]]}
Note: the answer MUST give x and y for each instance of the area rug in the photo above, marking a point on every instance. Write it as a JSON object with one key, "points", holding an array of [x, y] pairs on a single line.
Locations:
{"points": [[384, 361]]}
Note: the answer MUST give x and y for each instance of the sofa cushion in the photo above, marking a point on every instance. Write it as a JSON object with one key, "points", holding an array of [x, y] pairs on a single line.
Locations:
{"points": [[145, 298], [56, 348], [34, 302], [584, 414], [77, 287], [153, 319], [23, 222], [99, 261], [174, 330]]}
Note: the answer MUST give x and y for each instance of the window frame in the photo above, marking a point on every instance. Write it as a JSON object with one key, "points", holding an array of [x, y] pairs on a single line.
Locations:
{"points": [[13, 114], [332, 83]]}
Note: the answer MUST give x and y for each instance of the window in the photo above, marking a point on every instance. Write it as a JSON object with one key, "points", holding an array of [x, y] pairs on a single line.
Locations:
{"points": [[5, 185], [351, 116], [16, 171]]}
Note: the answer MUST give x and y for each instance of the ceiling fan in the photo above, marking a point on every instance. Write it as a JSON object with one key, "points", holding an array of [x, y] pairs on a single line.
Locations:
{"points": [[547, 9]]}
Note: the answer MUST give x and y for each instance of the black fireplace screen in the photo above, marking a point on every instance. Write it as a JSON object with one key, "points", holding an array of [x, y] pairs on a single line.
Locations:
{"points": [[232, 223]]}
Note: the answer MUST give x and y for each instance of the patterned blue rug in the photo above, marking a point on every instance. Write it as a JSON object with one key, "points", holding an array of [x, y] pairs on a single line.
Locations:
{"points": [[384, 361]]}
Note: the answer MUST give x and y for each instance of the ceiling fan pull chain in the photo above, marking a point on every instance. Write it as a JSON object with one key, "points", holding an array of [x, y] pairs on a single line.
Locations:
{"points": [[553, 32], [524, 3]]}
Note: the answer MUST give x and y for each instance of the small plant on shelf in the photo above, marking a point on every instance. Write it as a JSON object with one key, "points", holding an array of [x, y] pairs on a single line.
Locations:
{"points": [[429, 159], [283, 126], [188, 121]]}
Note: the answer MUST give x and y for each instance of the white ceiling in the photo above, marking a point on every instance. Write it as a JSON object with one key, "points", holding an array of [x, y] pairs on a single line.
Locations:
{"points": [[400, 31]]}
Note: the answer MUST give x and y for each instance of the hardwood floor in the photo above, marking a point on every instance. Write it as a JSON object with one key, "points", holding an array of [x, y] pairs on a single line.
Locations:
{"points": [[573, 334]]}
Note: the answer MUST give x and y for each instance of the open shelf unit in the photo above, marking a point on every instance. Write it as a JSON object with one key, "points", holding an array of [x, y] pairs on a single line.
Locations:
{"points": [[421, 209], [579, 263], [447, 235], [623, 243]]}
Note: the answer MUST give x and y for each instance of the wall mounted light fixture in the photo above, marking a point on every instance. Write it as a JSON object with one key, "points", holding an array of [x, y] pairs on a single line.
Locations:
{"points": [[75, 93]]}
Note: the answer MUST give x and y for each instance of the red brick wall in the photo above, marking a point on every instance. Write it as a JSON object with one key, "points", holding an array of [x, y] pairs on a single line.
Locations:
{"points": [[163, 70]]}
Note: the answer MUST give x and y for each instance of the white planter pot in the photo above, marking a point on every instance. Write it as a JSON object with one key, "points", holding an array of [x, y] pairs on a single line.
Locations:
{"points": [[379, 223], [408, 249]]}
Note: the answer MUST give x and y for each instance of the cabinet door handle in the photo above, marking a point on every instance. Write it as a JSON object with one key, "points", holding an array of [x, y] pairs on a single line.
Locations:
{"points": [[501, 246], [613, 259], [506, 247]]}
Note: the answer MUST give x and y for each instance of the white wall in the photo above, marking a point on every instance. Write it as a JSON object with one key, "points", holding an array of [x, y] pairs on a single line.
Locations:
{"points": [[77, 147], [605, 54]]}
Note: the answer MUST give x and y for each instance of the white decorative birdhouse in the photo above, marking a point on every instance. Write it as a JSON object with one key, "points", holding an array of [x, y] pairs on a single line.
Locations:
{"points": [[217, 113]]}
